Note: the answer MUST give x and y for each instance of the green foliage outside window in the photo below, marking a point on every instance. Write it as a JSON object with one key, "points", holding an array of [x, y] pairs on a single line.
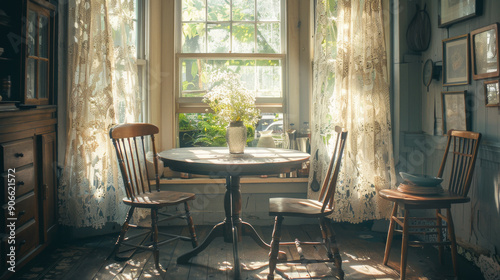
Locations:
{"points": [[204, 130]]}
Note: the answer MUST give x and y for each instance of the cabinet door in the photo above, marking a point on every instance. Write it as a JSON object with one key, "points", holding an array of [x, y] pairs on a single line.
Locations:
{"points": [[38, 34], [48, 185]]}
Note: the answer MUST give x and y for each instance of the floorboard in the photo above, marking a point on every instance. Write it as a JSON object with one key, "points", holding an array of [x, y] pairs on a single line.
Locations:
{"points": [[175, 270], [253, 258], [199, 267], [289, 234], [90, 264], [166, 255], [220, 259], [361, 251]]}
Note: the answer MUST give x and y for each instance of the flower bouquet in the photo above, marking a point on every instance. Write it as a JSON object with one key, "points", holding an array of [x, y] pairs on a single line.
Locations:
{"points": [[234, 106]]}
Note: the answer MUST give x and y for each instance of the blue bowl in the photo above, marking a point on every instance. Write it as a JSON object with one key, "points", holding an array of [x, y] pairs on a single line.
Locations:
{"points": [[421, 180]]}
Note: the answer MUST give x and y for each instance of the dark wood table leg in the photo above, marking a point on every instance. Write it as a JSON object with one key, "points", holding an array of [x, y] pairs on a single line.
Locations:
{"points": [[232, 207], [232, 228], [248, 230], [217, 231]]}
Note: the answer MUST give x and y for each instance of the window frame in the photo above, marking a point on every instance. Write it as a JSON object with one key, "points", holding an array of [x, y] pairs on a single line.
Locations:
{"points": [[195, 104]]}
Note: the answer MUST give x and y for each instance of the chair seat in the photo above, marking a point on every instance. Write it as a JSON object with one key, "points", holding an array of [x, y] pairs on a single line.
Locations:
{"points": [[301, 207], [422, 200], [159, 199]]}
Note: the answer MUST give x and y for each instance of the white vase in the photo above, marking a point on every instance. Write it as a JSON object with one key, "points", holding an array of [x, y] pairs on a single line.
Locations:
{"points": [[266, 139], [236, 137]]}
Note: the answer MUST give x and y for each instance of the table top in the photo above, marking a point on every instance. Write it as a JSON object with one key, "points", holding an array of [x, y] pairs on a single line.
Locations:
{"points": [[218, 160]]}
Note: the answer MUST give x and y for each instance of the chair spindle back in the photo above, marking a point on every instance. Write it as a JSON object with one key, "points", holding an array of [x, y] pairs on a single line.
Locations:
{"points": [[330, 182], [465, 149], [130, 142]]}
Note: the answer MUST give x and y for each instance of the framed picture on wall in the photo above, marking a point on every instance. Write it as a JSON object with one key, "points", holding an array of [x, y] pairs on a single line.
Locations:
{"points": [[456, 61], [484, 46], [492, 93], [453, 11], [454, 110]]}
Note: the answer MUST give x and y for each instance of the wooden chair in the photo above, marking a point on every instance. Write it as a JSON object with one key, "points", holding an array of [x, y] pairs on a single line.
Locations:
{"points": [[130, 142], [309, 208], [465, 148]]}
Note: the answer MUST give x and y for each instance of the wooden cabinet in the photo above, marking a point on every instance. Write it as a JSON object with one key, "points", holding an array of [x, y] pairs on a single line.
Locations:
{"points": [[19, 209], [28, 196], [27, 29], [29, 183], [48, 179]]}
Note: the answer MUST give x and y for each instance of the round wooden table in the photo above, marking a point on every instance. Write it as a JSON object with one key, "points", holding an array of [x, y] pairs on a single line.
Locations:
{"points": [[218, 161]]}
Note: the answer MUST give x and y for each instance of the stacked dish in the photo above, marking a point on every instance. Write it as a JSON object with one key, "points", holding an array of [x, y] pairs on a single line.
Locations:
{"points": [[420, 184]]}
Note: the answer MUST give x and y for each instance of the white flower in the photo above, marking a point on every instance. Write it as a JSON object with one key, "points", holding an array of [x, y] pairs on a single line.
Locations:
{"points": [[230, 100]]}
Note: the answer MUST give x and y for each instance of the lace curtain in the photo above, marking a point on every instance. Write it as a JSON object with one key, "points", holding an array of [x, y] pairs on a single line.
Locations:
{"points": [[102, 92], [351, 89]]}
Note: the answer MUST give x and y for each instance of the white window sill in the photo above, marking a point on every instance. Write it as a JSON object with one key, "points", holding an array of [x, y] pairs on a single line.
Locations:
{"points": [[243, 180], [253, 185]]}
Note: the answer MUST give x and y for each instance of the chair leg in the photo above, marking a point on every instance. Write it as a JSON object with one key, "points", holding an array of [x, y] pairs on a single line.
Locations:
{"points": [[390, 234], [154, 233], [451, 234], [404, 245], [439, 223], [123, 232], [324, 234], [332, 248], [192, 232], [275, 244]]}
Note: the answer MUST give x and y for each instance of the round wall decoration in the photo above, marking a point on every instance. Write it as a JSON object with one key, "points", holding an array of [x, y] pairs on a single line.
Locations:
{"points": [[430, 71]]}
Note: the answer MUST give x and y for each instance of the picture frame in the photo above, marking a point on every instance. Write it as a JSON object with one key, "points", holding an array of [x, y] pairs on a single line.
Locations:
{"points": [[492, 93], [453, 11], [454, 110], [456, 61], [484, 48]]}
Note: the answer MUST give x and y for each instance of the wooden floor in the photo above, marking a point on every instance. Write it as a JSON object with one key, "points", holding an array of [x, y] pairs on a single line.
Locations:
{"points": [[361, 251]]}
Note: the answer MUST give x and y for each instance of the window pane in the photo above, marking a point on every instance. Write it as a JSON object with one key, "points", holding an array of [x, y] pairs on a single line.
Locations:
{"points": [[131, 35], [193, 39], [243, 10], [269, 77], [31, 33], [141, 94], [203, 130], [218, 38], [236, 19], [43, 71], [243, 38], [263, 77], [268, 10], [218, 10], [43, 39], [191, 78], [30, 79], [268, 38], [246, 68], [193, 10], [272, 122]]}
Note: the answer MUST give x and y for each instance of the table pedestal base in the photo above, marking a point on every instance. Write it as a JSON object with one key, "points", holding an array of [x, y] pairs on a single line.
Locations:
{"points": [[231, 229]]}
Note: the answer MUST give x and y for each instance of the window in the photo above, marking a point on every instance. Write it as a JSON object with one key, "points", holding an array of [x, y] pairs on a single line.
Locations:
{"points": [[141, 31], [246, 37]]}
